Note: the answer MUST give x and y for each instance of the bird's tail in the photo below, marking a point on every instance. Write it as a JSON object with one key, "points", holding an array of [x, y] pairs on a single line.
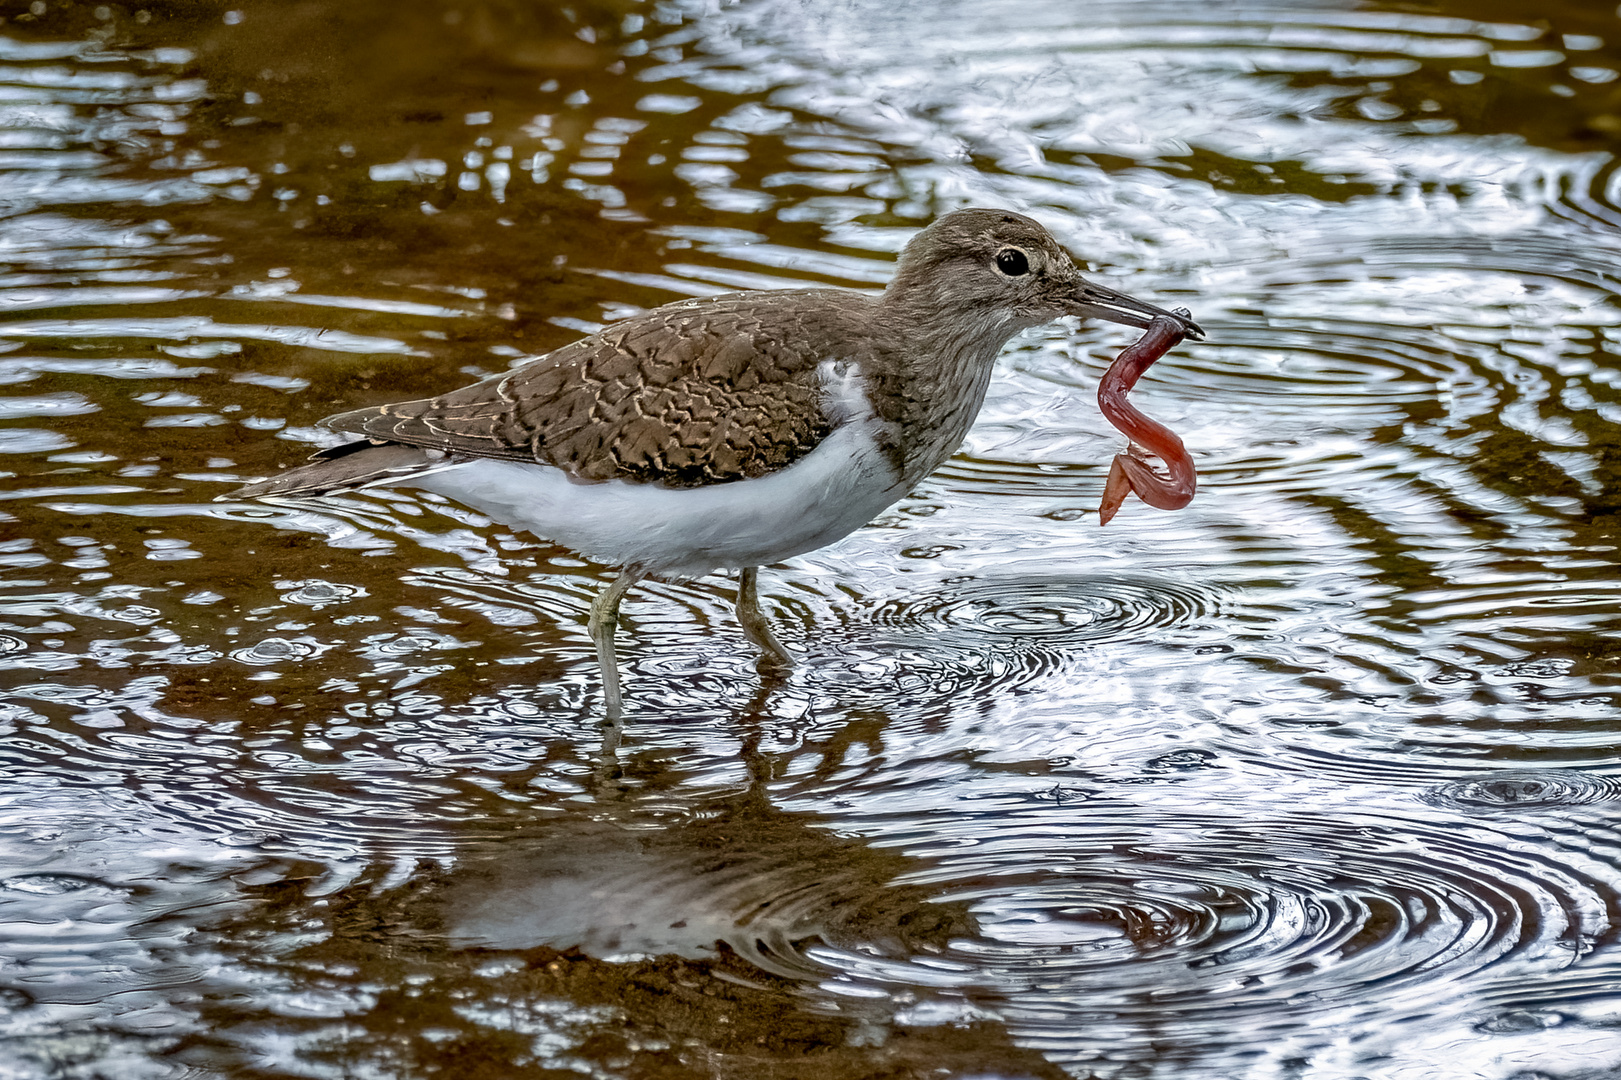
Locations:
{"points": [[344, 468]]}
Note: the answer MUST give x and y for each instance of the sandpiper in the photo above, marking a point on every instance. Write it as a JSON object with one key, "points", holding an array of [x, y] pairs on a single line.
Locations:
{"points": [[731, 432]]}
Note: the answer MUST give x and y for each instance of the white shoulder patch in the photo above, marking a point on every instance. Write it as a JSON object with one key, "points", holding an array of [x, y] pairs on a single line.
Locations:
{"points": [[844, 392]]}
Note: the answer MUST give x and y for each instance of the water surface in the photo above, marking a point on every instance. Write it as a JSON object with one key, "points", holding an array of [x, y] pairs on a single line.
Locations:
{"points": [[1315, 779]]}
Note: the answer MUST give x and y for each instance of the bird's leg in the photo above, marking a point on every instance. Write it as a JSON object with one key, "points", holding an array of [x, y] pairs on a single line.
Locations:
{"points": [[604, 621], [754, 621]]}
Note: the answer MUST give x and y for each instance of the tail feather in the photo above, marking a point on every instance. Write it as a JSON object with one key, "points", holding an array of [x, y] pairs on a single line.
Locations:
{"points": [[344, 468]]}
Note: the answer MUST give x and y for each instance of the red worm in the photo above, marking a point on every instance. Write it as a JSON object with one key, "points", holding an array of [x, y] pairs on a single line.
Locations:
{"points": [[1131, 471]]}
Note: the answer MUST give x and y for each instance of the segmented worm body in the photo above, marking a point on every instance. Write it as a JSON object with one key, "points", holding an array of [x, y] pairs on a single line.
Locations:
{"points": [[1131, 472]]}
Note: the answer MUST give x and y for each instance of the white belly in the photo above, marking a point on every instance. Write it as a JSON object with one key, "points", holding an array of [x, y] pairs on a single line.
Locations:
{"points": [[686, 532]]}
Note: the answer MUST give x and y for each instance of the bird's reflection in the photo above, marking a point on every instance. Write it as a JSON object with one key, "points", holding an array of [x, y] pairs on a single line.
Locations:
{"points": [[698, 878], [607, 786]]}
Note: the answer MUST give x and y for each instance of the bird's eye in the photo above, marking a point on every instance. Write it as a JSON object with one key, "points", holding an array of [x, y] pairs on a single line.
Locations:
{"points": [[1011, 261]]}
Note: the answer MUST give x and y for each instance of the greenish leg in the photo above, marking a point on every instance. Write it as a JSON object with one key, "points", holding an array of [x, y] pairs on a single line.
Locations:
{"points": [[754, 620], [604, 621]]}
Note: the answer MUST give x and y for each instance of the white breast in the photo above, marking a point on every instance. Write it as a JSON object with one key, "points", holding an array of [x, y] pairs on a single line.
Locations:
{"points": [[839, 486]]}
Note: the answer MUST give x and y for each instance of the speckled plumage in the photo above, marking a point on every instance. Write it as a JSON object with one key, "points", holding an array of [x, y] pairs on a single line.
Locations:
{"points": [[699, 392]]}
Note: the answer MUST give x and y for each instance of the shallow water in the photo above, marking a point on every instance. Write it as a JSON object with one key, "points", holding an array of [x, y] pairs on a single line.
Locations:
{"points": [[1315, 779]]}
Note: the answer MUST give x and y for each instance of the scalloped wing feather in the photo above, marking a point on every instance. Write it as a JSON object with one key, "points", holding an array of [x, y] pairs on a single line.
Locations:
{"points": [[684, 395]]}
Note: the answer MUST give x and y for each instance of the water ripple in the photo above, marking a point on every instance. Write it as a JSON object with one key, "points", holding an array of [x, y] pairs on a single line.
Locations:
{"points": [[1524, 789], [1321, 785], [1049, 612], [1224, 929]]}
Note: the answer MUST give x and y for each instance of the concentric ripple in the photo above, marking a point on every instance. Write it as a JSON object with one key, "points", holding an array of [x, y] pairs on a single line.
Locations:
{"points": [[1053, 612], [1524, 789], [981, 636], [1181, 931]]}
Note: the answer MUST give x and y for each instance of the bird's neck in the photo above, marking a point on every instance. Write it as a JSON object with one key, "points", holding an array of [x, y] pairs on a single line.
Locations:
{"points": [[939, 363]]}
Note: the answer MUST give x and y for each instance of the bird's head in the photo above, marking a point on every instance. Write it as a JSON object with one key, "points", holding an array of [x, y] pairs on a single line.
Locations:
{"points": [[1005, 266]]}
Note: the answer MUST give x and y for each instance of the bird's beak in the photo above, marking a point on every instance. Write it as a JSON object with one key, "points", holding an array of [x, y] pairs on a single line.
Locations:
{"points": [[1091, 301]]}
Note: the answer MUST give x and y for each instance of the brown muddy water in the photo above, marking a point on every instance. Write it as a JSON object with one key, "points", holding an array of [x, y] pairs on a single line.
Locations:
{"points": [[1316, 779]]}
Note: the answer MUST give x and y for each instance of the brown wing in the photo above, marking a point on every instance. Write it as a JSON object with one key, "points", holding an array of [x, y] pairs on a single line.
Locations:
{"points": [[688, 394]]}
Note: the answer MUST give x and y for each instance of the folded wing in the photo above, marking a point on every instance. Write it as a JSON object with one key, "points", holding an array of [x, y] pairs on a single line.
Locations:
{"points": [[688, 394]]}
